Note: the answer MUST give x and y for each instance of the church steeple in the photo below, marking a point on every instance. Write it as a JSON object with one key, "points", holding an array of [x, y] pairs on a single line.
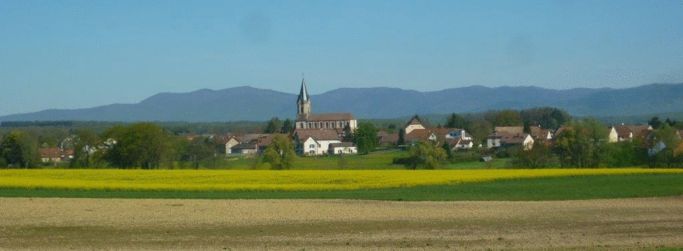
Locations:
{"points": [[303, 102], [303, 93]]}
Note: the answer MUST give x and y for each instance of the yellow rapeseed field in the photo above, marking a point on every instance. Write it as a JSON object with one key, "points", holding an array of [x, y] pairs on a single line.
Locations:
{"points": [[231, 180]]}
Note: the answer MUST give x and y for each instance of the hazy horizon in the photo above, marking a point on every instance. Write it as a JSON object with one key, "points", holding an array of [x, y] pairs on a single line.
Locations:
{"points": [[76, 54]]}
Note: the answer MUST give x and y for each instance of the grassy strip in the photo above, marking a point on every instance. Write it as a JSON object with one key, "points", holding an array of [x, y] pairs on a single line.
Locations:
{"points": [[555, 188]]}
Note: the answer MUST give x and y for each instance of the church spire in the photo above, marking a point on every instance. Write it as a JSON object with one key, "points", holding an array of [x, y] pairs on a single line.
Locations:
{"points": [[303, 94]]}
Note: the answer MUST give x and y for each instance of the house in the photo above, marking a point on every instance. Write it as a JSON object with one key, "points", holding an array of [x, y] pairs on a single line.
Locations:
{"points": [[414, 123], [245, 149], [540, 134], [253, 143], [460, 144], [342, 148], [504, 136], [230, 143], [315, 141], [308, 120], [55, 154], [623, 132], [458, 138]]}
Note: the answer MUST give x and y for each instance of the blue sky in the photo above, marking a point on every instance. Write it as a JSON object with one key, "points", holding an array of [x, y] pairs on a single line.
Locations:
{"points": [[71, 54]]}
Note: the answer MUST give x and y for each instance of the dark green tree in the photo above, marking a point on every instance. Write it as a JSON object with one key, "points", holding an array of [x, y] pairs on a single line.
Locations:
{"points": [[655, 122], [546, 117], [274, 126], [142, 145], [19, 149], [401, 137], [287, 126], [365, 138], [198, 150], [456, 121]]}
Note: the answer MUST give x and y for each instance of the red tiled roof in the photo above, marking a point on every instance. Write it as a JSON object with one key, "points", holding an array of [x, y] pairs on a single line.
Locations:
{"points": [[52, 152]]}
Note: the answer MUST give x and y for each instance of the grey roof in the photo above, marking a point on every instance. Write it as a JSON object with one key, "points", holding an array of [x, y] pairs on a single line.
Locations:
{"points": [[303, 93]]}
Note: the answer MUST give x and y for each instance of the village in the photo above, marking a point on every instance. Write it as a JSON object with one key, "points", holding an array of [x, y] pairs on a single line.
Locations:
{"points": [[336, 134]]}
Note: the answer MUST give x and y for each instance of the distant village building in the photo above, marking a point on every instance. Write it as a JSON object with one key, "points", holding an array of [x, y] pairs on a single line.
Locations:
{"points": [[247, 144], [623, 132], [416, 131], [315, 141], [306, 119], [414, 123], [504, 136], [55, 155]]}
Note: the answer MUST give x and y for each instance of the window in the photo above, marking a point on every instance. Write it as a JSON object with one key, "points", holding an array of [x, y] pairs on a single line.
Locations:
{"points": [[311, 146]]}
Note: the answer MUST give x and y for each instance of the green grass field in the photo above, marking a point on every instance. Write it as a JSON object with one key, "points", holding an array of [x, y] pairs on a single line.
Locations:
{"points": [[558, 188]]}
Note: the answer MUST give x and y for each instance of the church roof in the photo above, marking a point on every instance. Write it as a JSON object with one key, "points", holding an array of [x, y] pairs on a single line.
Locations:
{"points": [[328, 117], [316, 134], [303, 93]]}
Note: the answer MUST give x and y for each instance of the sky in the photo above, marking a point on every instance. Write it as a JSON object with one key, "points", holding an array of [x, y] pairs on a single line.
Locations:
{"points": [[76, 54]]}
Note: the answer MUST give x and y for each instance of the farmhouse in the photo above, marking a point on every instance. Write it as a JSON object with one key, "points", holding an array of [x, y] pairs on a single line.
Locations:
{"points": [[55, 154], [623, 132], [503, 136], [308, 120], [247, 144]]}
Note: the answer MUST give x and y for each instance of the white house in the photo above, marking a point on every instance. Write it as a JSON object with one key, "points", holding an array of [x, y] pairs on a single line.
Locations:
{"points": [[315, 141], [231, 142]]}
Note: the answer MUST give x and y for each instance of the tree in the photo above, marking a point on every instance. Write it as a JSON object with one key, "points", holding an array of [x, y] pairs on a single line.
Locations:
{"points": [[401, 137], [139, 145], [274, 126], [507, 118], [668, 156], [582, 144], [479, 129], [287, 126], [655, 122], [85, 144], [425, 155], [538, 157], [546, 117], [365, 138], [197, 150], [280, 153], [456, 121], [19, 149]]}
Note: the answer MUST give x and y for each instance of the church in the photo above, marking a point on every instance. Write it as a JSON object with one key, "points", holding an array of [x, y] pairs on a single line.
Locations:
{"points": [[308, 120]]}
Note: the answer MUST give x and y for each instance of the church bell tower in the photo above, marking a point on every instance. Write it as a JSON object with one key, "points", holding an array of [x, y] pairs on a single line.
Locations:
{"points": [[303, 102]]}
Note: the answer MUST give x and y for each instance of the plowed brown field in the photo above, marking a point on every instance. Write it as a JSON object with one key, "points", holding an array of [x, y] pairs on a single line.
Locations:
{"points": [[161, 224]]}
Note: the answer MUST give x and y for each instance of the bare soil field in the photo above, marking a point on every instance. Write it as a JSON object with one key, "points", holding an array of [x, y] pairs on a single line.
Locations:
{"points": [[163, 224]]}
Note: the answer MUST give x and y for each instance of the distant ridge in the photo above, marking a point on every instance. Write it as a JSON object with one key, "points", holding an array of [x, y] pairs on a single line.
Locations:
{"points": [[252, 104]]}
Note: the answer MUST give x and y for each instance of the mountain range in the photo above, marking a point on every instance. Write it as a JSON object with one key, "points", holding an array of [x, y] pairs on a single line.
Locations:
{"points": [[253, 104]]}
